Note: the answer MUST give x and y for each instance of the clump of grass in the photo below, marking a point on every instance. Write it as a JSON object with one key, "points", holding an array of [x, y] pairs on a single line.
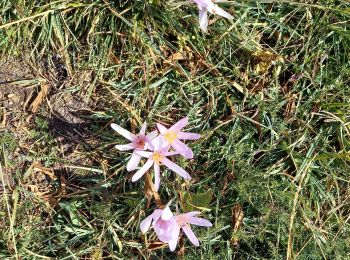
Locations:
{"points": [[269, 92]]}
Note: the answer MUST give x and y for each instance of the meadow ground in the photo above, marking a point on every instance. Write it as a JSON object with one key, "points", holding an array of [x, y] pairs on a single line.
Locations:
{"points": [[268, 91]]}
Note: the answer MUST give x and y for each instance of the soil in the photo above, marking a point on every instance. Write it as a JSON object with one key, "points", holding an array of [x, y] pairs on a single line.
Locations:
{"points": [[12, 71], [12, 99], [64, 111]]}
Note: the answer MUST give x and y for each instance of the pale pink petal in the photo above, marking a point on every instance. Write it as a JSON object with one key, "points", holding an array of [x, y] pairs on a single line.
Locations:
{"points": [[144, 153], [143, 129], [167, 214], [165, 148], [163, 229], [203, 19], [156, 214], [152, 135], [124, 147], [133, 162], [199, 222], [182, 149], [143, 170], [162, 129], [149, 138], [188, 154], [191, 236], [217, 10], [201, 3], [165, 237], [179, 125], [188, 136], [171, 153], [120, 130], [149, 146], [156, 176], [158, 143], [192, 213], [175, 236], [146, 223], [175, 168]]}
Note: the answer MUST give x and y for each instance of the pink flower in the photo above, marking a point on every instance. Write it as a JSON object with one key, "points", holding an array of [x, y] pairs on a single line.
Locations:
{"points": [[156, 157], [162, 222], [173, 135], [139, 142], [167, 226], [183, 222], [207, 5]]}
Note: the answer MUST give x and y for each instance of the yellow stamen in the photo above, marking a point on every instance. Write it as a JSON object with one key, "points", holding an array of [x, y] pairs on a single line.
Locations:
{"points": [[170, 136], [157, 157]]}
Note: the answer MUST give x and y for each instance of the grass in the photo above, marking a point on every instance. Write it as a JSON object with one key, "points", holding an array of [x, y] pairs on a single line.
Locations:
{"points": [[268, 91]]}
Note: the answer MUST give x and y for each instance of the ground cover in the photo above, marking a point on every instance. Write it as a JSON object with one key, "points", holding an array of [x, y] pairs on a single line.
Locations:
{"points": [[268, 91]]}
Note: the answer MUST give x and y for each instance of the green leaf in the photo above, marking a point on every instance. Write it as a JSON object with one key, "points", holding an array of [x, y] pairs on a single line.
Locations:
{"points": [[196, 201]]}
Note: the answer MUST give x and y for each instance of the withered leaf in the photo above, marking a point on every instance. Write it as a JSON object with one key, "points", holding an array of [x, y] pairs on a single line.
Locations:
{"points": [[264, 59], [37, 167], [150, 192], [175, 57], [154, 245], [237, 220], [44, 89]]}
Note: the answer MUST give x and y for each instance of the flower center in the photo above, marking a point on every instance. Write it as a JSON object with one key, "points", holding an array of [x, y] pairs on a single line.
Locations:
{"points": [[170, 136], [157, 157], [163, 224], [139, 142]]}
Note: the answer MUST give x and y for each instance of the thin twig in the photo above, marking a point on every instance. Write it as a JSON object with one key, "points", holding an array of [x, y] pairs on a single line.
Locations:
{"points": [[8, 212]]}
